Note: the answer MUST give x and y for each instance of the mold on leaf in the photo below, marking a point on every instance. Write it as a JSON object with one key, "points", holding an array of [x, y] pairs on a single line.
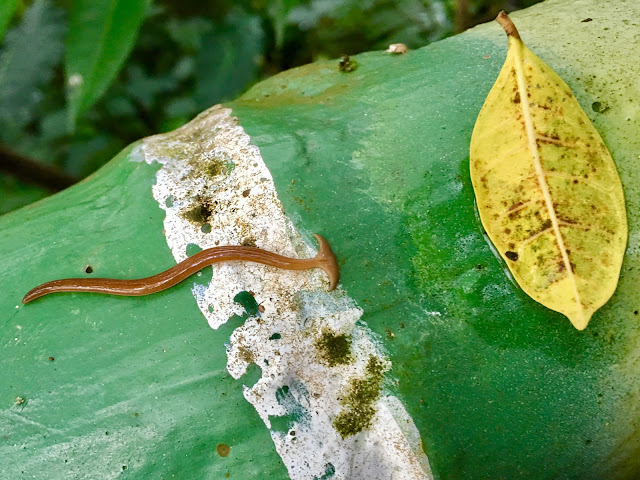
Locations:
{"points": [[334, 348], [359, 400], [200, 212]]}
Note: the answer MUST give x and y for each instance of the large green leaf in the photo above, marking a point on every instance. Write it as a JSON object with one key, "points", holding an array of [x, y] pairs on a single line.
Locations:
{"points": [[7, 7], [101, 36]]}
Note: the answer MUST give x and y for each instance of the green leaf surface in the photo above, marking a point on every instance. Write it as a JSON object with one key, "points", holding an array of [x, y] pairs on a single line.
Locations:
{"points": [[7, 8], [101, 36], [30, 52]]}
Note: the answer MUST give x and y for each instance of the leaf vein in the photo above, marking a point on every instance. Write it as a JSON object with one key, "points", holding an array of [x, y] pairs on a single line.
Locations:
{"points": [[533, 237], [535, 154]]}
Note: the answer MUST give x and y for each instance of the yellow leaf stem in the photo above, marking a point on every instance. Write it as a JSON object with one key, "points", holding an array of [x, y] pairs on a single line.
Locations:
{"points": [[546, 186]]}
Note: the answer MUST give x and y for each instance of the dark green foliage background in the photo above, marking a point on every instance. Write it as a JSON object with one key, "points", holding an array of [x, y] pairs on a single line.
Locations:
{"points": [[186, 56]]}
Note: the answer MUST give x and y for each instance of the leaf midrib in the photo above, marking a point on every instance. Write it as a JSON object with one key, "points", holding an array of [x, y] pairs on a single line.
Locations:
{"points": [[519, 47]]}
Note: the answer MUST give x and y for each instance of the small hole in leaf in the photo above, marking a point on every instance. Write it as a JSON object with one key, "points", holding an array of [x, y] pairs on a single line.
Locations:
{"points": [[88, 269], [511, 255], [248, 301], [599, 107]]}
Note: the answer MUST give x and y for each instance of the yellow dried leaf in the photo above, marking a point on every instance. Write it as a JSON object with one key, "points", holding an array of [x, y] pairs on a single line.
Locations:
{"points": [[547, 189]]}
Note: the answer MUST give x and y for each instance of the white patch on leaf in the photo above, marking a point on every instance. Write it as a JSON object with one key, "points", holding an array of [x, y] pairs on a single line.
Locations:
{"points": [[212, 175]]}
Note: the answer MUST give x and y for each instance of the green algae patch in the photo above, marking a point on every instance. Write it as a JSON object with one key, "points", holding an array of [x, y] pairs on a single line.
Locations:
{"points": [[334, 348], [201, 212], [359, 400], [216, 167]]}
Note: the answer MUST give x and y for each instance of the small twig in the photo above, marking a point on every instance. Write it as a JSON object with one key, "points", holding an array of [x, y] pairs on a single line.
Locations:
{"points": [[508, 26], [32, 171], [462, 19]]}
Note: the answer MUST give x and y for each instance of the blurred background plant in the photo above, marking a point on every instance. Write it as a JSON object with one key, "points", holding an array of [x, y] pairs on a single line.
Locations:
{"points": [[81, 79]]}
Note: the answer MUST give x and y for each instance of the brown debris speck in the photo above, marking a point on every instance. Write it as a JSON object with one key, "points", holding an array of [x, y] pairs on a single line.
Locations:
{"points": [[223, 449], [347, 64]]}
